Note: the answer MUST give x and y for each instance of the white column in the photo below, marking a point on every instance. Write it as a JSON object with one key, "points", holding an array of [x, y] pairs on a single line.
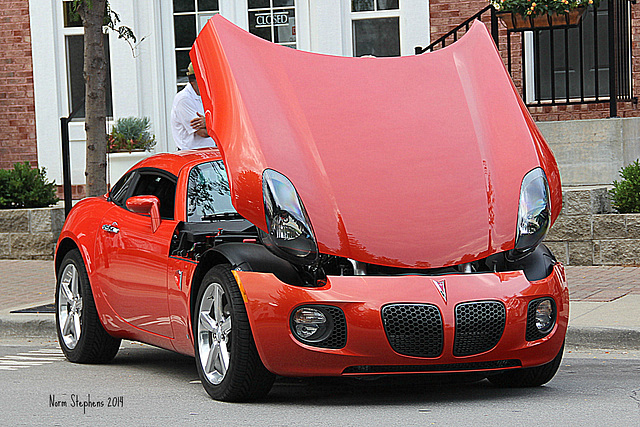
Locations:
{"points": [[328, 26], [50, 103]]}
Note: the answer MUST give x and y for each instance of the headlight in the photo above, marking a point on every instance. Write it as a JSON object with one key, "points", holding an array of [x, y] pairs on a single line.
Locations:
{"points": [[309, 323], [534, 212], [541, 318], [544, 316], [289, 229]]}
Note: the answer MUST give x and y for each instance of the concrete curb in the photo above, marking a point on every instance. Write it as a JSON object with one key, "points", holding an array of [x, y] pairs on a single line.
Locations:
{"points": [[28, 325], [614, 338], [43, 326]]}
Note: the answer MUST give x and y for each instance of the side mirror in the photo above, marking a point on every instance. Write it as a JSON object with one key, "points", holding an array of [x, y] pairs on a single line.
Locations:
{"points": [[148, 205]]}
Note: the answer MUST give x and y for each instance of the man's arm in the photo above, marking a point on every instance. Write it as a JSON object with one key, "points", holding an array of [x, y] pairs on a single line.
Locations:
{"points": [[200, 126]]}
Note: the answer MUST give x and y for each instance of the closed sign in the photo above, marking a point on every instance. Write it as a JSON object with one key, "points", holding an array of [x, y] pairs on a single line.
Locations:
{"points": [[267, 19]]}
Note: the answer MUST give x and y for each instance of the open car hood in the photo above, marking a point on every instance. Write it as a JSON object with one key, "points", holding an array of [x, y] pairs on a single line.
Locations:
{"points": [[411, 161]]}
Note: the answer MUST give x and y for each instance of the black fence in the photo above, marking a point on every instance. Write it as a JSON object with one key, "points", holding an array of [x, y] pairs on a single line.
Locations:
{"points": [[567, 64]]}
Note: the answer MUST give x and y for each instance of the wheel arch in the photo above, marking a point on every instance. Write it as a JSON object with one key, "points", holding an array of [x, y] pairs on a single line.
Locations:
{"points": [[245, 257], [65, 246]]}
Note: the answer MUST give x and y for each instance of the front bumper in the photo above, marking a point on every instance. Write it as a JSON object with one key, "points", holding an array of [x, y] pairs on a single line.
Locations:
{"points": [[270, 302]]}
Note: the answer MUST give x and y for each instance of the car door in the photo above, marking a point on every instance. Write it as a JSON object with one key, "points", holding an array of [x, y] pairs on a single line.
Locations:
{"points": [[132, 265]]}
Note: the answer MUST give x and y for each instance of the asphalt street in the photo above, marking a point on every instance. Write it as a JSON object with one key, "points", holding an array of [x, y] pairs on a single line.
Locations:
{"points": [[148, 386]]}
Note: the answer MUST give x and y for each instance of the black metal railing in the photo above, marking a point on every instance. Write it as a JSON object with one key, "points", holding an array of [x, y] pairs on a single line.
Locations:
{"points": [[452, 36], [568, 64]]}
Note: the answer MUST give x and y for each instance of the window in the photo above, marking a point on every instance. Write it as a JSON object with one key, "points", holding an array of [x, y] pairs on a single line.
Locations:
{"points": [[208, 192], [74, 51], [573, 64], [376, 27], [189, 17], [273, 20], [119, 191], [154, 184]]}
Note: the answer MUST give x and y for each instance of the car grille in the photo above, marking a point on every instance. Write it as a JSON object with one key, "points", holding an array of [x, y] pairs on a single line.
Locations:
{"points": [[414, 329], [479, 327]]}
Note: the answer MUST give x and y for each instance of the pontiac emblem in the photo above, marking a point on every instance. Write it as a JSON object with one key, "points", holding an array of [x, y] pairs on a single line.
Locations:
{"points": [[441, 287]]}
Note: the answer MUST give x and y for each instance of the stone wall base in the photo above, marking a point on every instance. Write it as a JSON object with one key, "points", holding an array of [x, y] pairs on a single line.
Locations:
{"points": [[588, 232], [30, 233]]}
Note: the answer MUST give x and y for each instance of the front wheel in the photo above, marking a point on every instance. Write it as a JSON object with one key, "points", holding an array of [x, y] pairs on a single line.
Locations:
{"points": [[226, 356], [528, 377], [80, 333]]}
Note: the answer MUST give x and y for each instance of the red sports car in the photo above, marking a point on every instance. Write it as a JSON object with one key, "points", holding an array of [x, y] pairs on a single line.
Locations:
{"points": [[363, 216]]}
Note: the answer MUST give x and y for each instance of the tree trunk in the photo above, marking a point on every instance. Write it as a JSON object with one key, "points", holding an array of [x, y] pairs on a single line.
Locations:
{"points": [[95, 75]]}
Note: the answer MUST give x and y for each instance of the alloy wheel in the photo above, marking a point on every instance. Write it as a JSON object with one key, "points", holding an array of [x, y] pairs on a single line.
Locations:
{"points": [[70, 307], [214, 333]]}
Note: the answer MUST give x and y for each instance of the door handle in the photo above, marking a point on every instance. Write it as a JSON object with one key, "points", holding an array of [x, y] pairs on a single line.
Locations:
{"points": [[111, 228]]}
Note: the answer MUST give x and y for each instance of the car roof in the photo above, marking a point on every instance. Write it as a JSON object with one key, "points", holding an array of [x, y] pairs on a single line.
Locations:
{"points": [[174, 162]]}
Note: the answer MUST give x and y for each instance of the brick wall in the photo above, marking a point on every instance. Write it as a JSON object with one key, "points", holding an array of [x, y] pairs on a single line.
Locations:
{"points": [[17, 105], [447, 14]]}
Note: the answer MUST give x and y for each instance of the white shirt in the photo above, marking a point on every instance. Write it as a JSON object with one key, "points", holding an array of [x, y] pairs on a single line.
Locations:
{"points": [[186, 106]]}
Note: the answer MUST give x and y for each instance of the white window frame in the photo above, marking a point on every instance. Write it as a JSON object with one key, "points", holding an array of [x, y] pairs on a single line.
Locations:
{"points": [[201, 20], [65, 85], [270, 8], [357, 16]]}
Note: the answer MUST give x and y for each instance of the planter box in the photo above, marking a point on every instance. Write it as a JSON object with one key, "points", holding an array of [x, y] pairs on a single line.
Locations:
{"points": [[119, 163], [30, 233], [517, 22]]}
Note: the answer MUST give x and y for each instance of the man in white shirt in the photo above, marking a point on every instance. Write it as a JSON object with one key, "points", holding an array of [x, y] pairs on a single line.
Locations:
{"points": [[187, 117]]}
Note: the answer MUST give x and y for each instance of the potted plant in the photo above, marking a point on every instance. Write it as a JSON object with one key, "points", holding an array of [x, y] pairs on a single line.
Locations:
{"points": [[129, 141], [532, 14]]}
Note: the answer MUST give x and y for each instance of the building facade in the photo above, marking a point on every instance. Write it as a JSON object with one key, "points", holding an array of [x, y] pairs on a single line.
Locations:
{"points": [[17, 103], [146, 77], [41, 70], [591, 37]]}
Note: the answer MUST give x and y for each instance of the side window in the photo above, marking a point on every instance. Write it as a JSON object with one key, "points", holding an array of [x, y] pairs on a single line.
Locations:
{"points": [[208, 191], [120, 189], [162, 187]]}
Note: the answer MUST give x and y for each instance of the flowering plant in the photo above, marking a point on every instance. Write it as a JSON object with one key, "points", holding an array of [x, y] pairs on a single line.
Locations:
{"points": [[131, 134], [540, 7]]}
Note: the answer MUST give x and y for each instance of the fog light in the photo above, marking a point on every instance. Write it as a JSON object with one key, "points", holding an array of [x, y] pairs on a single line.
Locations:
{"points": [[309, 323], [544, 315]]}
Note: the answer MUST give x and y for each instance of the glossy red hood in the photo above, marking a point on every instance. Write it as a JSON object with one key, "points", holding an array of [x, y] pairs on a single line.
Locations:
{"points": [[411, 161]]}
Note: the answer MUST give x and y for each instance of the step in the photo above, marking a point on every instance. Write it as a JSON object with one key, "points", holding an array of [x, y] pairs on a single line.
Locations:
{"points": [[586, 200]]}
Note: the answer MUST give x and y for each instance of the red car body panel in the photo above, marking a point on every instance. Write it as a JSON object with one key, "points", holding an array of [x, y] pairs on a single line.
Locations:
{"points": [[270, 304], [131, 272], [439, 138]]}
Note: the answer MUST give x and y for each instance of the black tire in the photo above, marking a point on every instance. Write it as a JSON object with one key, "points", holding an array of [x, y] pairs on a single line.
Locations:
{"points": [[80, 333], [221, 329], [528, 377]]}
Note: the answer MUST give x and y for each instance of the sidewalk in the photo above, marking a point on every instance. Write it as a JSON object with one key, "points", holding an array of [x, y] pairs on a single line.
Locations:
{"points": [[604, 303]]}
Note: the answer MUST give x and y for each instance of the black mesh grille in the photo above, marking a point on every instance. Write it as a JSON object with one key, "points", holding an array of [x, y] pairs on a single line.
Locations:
{"points": [[448, 367], [414, 329], [338, 336], [479, 327], [533, 333]]}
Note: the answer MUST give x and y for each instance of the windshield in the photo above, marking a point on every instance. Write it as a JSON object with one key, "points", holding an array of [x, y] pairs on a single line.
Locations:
{"points": [[208, 192]]}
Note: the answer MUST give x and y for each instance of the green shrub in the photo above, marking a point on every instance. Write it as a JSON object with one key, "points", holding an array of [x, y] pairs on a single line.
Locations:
{"points": [[131, 133], [24, 187], [625, 194]]}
